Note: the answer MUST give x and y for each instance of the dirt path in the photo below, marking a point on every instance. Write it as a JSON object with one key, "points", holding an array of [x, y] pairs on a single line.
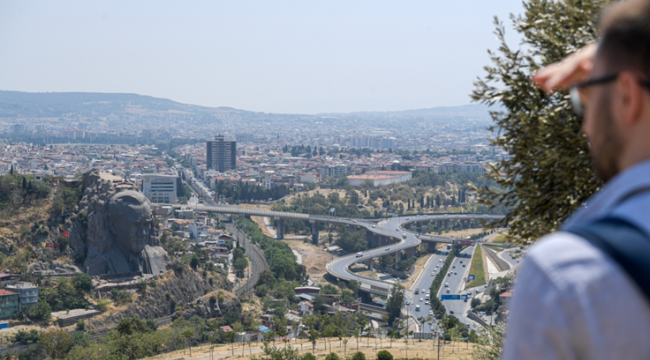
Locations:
{"points": [[427, 349]]}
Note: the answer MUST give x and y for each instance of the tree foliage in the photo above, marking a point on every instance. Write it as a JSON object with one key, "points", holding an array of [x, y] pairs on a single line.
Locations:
{"points": [[395, 303], [549, 172]]}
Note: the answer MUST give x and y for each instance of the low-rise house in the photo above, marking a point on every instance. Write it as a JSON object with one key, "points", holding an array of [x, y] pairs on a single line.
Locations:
{"points": [[27, 294], [9, 303]]}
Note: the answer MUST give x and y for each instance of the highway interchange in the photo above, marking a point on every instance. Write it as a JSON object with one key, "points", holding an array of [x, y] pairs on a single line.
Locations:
{"points": [[394, 227]]}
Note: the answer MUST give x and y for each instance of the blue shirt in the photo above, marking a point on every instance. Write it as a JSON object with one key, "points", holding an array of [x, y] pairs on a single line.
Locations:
{"points": [[570, 300]]}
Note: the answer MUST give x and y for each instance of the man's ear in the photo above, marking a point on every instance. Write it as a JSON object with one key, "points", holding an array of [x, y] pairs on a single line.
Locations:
{"points": [[631, 97]]}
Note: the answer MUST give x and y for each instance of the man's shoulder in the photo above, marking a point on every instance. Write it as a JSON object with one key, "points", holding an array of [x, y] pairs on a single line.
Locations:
{"points": [[569, 260]]}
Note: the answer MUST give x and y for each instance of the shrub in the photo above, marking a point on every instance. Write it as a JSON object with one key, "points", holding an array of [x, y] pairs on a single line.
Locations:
{"points": [[102, 305], [26, 337], [332, 356], [81, 325], [82, 282], [308, 356], [384, 355], [358, 356], [121, 297]]}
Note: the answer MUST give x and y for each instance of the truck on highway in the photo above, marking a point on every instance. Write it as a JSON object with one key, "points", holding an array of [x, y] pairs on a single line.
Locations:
{"points": [[417, 307]]}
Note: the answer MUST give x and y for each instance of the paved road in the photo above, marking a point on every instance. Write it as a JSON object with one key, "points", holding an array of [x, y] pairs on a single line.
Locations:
{"points": [[455, 283], [505, 255], [392, 227], [431, 269]]}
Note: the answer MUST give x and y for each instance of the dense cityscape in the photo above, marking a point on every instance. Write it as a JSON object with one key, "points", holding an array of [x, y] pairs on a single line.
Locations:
{"points": [[228, 205]]}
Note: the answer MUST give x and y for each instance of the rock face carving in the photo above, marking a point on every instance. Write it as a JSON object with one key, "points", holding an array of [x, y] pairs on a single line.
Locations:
{"points": [[121, 235]]}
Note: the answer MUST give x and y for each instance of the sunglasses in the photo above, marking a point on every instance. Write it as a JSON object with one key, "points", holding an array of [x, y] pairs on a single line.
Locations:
{"points": [[576, 98]]}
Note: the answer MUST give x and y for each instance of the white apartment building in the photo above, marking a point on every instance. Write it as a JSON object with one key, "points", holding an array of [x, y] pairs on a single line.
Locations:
{"points": [[160, 188]]}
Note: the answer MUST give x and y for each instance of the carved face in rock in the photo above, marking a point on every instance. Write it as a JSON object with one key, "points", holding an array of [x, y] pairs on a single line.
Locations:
{"points": [[130, 220]]}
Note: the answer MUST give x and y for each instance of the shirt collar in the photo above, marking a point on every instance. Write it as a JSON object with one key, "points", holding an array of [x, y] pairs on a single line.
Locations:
{"points": [[604, 201]]}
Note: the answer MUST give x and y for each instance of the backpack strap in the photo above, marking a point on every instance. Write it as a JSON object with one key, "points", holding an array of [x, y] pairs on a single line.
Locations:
{"points": [[624, 243]]}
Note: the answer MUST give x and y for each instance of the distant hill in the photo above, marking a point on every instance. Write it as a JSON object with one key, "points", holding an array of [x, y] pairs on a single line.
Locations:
{"points": [[61, 104], [55, 104]]}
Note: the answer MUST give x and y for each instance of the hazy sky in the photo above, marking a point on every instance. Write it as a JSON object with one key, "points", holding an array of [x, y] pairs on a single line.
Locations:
{"points": [[302, 56]]}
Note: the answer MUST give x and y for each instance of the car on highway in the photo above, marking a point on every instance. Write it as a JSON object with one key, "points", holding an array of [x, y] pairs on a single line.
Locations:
{"points": [[424, 291], [421, 299], [373, 226], [461, 261], [431, 312], [357, 221], [387, 249], [449, 273], [408, 302], [451, 312], [433, 273], [448, 291], [463, 265], [417, 307], [359, 254], [453, 267], [407, 218], [455, 273], [417, 291], [446, 284]]}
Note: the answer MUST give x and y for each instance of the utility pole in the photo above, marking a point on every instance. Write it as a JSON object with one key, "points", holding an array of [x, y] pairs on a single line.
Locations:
{"points": [[438, 346]]}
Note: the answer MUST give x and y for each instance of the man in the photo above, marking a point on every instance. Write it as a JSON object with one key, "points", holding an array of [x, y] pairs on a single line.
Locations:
{"points": [[573, 301]]}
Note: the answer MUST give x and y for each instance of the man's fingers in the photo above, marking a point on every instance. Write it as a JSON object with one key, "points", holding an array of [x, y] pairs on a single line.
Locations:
{"points": [[563, 74]]}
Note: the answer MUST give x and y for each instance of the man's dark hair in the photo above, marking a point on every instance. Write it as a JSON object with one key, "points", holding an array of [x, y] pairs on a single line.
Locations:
{"points": [[625, 37]]}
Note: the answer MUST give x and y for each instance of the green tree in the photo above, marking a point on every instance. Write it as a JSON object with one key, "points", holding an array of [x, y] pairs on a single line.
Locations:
{"points": [[358, 356], [332, 356], [56, 343], [83, 282], [549, 172], [132, 325], [384, 355], [395, 303]]}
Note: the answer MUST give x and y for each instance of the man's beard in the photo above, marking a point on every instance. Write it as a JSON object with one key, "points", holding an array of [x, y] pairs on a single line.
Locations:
{"points": [[605, 147]]}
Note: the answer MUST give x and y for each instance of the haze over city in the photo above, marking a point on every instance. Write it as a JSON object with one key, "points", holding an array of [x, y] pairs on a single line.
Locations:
{"points": [[280, 56]]}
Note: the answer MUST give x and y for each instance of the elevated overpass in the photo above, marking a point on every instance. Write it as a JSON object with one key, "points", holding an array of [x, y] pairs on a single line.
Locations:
{"points": [[393, 235]]}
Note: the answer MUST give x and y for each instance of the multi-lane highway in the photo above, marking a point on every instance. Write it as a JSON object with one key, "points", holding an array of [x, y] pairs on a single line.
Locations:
{"points": [[454, 282], [423, 286], [393, 228]]}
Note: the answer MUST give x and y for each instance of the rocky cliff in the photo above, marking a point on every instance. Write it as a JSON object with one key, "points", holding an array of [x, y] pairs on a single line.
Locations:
{"points": [[175, 289]]}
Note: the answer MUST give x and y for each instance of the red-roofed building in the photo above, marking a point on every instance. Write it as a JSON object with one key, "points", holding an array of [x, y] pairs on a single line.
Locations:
{"points": [[226, 329]]}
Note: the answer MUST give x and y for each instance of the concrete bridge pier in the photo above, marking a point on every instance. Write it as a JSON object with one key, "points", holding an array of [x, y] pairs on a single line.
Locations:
{"points": [[431, 247], [447, 224], [370, 263], [410, 252], [398, 257], [279, 224], [315, 232]]}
